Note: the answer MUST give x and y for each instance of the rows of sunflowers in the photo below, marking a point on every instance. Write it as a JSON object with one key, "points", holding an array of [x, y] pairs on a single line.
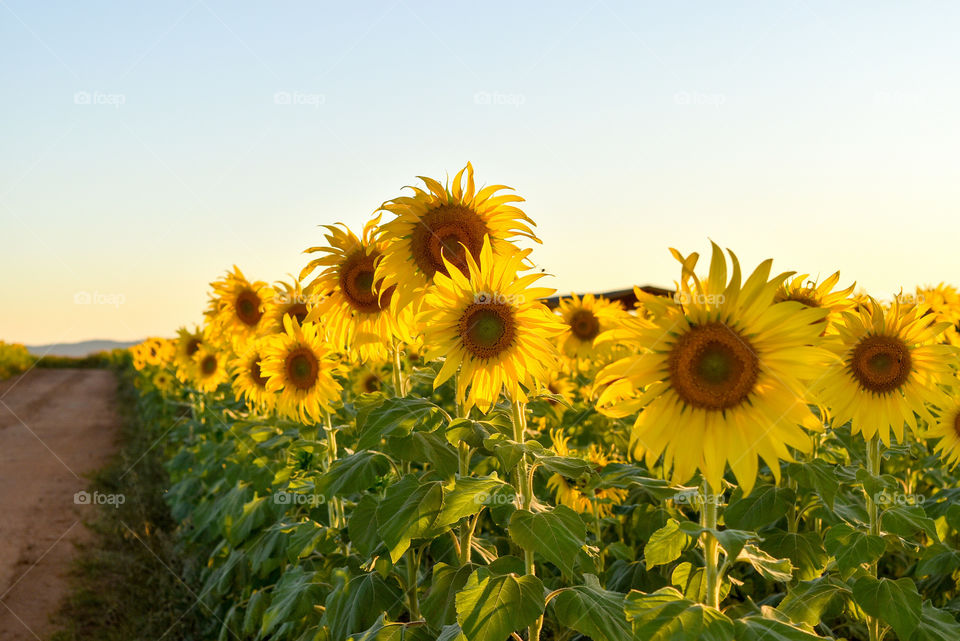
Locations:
{"points": [[408, 443]]}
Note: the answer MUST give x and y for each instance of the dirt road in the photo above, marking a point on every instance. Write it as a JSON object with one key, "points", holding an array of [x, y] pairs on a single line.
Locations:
{"points": [[56, 426]]}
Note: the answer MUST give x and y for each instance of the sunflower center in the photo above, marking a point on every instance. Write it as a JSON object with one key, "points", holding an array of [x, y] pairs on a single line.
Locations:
{"points": [[302, 368], [487, 329], [371, 383], [881, 364], [248, 307], [584, 325], [193, 346], [256, 375], [712, 367], [357, 284], [298, 311], [445, 232], [802, 298], [208, 365]]}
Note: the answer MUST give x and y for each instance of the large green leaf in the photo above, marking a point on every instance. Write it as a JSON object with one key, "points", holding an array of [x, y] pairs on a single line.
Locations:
{"points": [[731, 541], [292, 598], [408, 510], [665, 545], [353, 473], [557, 535], [490, 607], [907, 520], [362, 525], [808, 600], [397, 417], [819, 476], [665, 615], [766, 504], [805, 551], [756, 628], [938, 560], [357, 604], [439, 606], [936, 625], [769, 567], [383, 630], [425, 447], [469, 495], [852, 548], [591, 611], [896, 603]]}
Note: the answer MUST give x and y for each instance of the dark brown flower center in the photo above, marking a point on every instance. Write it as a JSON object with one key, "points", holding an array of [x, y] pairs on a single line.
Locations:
{"points": [[371, 383], [880, 364], [298, 311], [247, 307], [487, 329], [255, 374], [302, 367], [444, 232], [712, 367], [584, 325], [193, 346], [208, 365], [357, 283], [805, 297]]}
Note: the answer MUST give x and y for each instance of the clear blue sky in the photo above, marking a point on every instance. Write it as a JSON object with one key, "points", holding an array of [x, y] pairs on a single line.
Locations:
{"points": [[143, 150]]}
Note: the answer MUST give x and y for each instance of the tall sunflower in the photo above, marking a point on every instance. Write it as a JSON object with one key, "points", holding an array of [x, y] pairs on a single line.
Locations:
{"points": [[489, 325], [237, 307], [211, 368], [889, 370], [359, 312], [249, 381], [585, 319], [943, 301], [824, 295], [187, 343], [298, 365], [947, 428], [290, 299], [723, 376], [442, 224]]}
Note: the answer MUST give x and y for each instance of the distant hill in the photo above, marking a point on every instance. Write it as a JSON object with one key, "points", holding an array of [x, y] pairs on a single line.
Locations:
{"points": [[83, 348]]}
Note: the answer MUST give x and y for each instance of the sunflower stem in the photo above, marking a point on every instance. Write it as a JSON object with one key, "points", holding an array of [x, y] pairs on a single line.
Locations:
{"points": [[413, 570], [873, 467], [399, 383], [524, 485], [711, 551], [333, 507]]}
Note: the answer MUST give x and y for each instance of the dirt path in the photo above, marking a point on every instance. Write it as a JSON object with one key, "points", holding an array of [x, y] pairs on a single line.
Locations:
{"points": [[56, 426]]}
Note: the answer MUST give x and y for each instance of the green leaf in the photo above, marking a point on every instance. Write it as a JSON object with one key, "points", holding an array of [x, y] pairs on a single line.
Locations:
{"points": [[362, 525], [756, 628], [468, 431], [808, 600], [469, 495], [292, 598], [769, 567], [426, 447], [907, 520], [359, 603], [591, 611], [557, 535], [765, 505], [896, 603], [408, 510], [625, 476], [353, 473], [819, 476], [805, 551], [936, 625], [382, 630], [852, 548], [665, 545], [938, 560], [665, 615], [692, 582], [255, 608], [397, 417], [439, 606], [490, 607], [732, 541]]}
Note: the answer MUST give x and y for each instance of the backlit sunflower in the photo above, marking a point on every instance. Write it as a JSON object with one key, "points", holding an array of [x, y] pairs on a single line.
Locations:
{"points": [[187, 344], [369, 379], [164, 382], [211, 368], [237, 307], [299, 367], [889, 370], [248, 381], [810, 293], [289, 299], [947, 429], [445, 224], [359, 313], [585, 319], [490, 325], [572, 494], [943, 301], [723, 376]]}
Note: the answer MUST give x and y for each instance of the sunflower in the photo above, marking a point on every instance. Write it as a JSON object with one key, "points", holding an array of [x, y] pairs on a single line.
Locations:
{"points": [[290, 299], [571, 494], [947, 429], [585, 319], [443, 224], [210, 368], [722, 377], [368, 379], [238, 307], [298, 365], [889, 370], [249, 382], [943, 301], [358, 312], [490, 325], [186, 346], [809, 293], [164, 382]]}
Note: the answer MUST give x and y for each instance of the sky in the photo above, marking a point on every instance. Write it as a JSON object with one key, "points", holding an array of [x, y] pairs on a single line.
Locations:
{"points": [[146, 148]]}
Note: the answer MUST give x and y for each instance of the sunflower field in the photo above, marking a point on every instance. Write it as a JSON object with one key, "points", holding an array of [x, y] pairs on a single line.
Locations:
{"points": [[413, 441], [14, 359]]}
